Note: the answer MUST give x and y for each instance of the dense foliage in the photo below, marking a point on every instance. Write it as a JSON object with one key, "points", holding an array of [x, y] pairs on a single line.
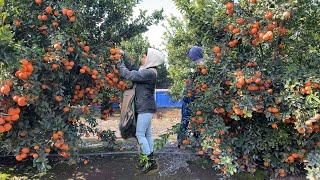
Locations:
{"points": [[57, 59], [257, 97]]}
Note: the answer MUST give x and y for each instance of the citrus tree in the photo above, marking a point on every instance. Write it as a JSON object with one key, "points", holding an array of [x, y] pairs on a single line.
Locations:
{"points": [[257, 96], [58, 59], [178, 41]]}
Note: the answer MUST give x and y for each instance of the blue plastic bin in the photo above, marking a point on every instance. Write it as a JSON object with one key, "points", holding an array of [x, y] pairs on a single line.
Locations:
{"points": [[164, 100]]}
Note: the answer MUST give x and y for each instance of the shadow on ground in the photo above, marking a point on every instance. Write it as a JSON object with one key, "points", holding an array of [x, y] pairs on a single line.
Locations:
{"points": [[123, 167]]}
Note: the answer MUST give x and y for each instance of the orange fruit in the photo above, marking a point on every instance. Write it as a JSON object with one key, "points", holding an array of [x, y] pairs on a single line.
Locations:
{"points": [[295, 155], [70, 12], [201, 120], [70, 49], [60, 133], [58, 98], [25, 150], [282, 173], [18, 157], [309, 83], [35, 155], [241, 81], [237, 111], [233, 43], [258, 81], [36, 147], [86, 48], [44, 17], [66, 109], [268, 36], [229, 11], [2, 129], [56, 13], [286, 15], [271, 26], [48, 9], [268, 15], [301, 130], [113, 51], [239, 73], [121, 83], [17, 23], [216, 153], [236, 31], [55, 24], [2, 121], [64, 154], [15, 117], [200, 153], [82, 70], [253, 88], [275, 110], [258, 74], [270, 91], [7, 127], [216, 49], [216, 160], [229, 5], [254, 31], [57, 46], [110, 75], [204, 71], [274, 126], [281, 46], [95, 72], [47, 150], [283, 31], [23, 155], [230, 27], [255, 25], [65, 147], [38, 2], [8, 82], [22, 101], [64, 11], [5, 89], [23, 76], [240, 21], [217, 140], [72, 19], [185, 142], [199, 113]]}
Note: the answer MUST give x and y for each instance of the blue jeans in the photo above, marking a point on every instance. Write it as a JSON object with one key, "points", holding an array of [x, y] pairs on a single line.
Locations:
{"points": [[144, 133]]}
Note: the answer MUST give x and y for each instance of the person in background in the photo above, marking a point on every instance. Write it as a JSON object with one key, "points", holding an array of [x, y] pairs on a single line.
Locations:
{"points": [[196, 55], [144, 79]]}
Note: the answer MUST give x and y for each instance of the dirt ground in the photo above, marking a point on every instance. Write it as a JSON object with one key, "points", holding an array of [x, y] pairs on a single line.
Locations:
{"points": [[123, 168], [163, 120]]}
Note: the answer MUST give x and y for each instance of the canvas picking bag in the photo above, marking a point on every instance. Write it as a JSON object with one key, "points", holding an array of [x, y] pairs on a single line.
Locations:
{"points": [[128, 119]]}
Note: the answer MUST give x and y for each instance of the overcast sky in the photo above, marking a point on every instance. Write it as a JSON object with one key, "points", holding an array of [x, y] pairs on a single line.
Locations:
{"points": [[156, 31]]}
